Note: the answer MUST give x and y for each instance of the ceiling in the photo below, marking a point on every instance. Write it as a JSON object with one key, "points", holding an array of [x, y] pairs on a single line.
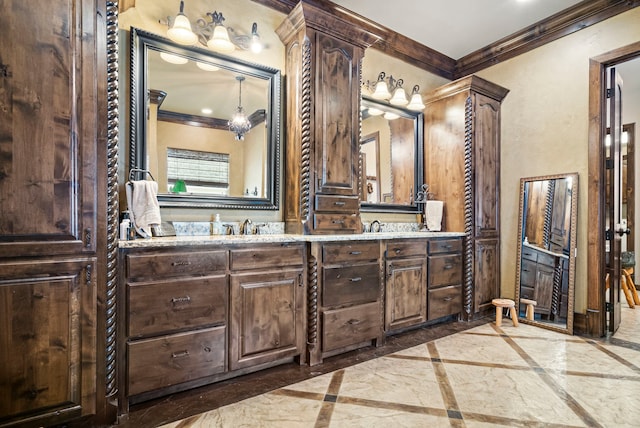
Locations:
{"points": [[456, 27]]}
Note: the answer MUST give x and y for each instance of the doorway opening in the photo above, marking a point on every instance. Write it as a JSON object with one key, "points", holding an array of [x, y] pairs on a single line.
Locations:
{"points": [[599, 240]]}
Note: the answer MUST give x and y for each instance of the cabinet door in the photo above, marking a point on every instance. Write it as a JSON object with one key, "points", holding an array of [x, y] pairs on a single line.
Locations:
{"points": [[47, 340], [487, 166], [267, 317], [48, 127], [406, 293], [543, 288], [337, 115], [486, 274]]}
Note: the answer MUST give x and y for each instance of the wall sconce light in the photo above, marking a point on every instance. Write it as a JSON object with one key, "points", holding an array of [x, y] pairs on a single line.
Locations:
{"points": [[416, 103], [239, 123], [391, 90], [212, 34]]}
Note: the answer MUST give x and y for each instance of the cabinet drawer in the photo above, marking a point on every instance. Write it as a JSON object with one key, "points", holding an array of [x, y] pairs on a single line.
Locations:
{"points": [[546, 260], [445, 270], [160, 307], [348, 326], [267, 257], [445, 246], [445, 301], [527, 293], [409, 248], [336, 203], [175, 264], [528, 273], [345, 253], [337, 222], [348, 285], [169, 360], [529, 253]]}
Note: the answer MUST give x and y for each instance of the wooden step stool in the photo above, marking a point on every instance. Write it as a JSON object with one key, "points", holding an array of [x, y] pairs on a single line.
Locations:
{"points": [[505, 303], [530, 307]]}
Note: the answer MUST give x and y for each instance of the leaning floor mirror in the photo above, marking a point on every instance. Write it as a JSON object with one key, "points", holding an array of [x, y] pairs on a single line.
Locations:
{"points": [[545, 273]]}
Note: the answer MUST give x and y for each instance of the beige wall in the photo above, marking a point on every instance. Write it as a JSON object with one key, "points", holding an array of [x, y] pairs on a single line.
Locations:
{"points": [[545, 123]]}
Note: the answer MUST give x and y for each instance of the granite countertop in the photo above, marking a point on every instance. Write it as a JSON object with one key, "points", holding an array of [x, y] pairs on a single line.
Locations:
{"points": [[175, 241]]}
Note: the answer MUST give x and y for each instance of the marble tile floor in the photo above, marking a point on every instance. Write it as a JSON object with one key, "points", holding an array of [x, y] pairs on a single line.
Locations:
{"points": [[482, 376]]}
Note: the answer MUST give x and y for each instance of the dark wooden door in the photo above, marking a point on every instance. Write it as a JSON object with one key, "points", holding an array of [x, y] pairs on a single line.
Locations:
{"points": [[614, 201], [47, 339], [406, 293], [266, 317], [486, 274], [337, 116]]}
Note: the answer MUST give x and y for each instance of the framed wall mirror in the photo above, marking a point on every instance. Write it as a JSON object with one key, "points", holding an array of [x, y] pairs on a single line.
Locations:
{"points": [[545, 275], [182, 99], [391, 157]]}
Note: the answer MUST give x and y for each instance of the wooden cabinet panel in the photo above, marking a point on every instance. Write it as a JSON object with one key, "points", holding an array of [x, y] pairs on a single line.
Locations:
{"points": [[48, 125], [346, 253], [169, 360], [406, 295], [445, 270], [437, 246], [486, 273], [348, 326], [334, 223], [351, 284], [175, 263], [445, 301], [267, 256], [47, 340], [185, 303], [267, 321]]}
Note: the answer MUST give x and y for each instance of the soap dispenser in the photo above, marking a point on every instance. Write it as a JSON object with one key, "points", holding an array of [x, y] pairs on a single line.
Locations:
{"points": [[217, 225]]}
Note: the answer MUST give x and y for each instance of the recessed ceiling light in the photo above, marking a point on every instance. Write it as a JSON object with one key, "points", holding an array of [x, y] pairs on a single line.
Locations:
{"points": [[206, 111]]}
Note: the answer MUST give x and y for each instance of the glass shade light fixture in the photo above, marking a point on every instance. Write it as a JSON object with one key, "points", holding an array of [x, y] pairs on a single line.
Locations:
{"points": [[391, 116], [239, 123], [181, 31], [399, 97], [416, 103], [213, 34], [391, 90], [173, 59]]}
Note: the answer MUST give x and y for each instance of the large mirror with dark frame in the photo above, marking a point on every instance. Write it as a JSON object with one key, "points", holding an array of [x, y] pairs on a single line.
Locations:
{"points": [[545, 274], [182, 101], [390, 157]]}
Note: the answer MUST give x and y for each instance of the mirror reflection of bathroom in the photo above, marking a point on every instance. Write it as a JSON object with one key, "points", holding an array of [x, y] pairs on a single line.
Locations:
{"points": [[545, 272]]}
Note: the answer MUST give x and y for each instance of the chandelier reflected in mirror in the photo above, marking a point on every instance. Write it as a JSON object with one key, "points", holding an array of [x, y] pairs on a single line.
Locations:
{"points": [[239, 123]]}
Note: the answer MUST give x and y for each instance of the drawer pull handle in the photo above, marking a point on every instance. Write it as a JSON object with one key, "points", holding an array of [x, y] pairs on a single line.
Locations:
{"points": [[339, 204], [185, 299], [353, 321], [180, 354], [398, 250], [355, 253], [446, 299], [181, 263], [448, 267], [337, 221], [356, 279]]}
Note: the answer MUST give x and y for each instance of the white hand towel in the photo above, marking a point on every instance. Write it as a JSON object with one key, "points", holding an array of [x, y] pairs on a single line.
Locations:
{"points": [[433, 213], [142, 198]]}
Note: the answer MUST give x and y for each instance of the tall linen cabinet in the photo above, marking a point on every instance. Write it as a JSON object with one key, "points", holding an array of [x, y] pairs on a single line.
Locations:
{"points": [[53, 80], [462, 168], [323, 72]]}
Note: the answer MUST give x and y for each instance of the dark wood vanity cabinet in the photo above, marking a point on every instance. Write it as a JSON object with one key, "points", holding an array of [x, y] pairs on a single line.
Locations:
{"points": [[323, 67], [52, 230], [196, 315], [345, 298], [462, 168], [267, 304], [405, 283], [540, 280]]}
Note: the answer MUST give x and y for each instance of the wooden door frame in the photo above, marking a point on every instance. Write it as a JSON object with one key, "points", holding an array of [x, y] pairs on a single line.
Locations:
{"points": [[596, 314]]}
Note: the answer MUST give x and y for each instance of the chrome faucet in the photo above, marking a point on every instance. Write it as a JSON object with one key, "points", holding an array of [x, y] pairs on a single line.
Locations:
{"points": [[245, 227], [375, 226]]}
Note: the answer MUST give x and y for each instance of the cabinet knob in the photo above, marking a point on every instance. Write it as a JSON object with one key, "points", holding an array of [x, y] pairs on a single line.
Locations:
{"points": [[181, 263], [356, 279], [339, 203], [180, 354], [355, 253], [185, 299]]}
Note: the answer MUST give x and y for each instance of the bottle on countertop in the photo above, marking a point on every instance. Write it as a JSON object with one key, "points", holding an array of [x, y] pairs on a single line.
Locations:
{"points": [[125, 229], [217, 226]]}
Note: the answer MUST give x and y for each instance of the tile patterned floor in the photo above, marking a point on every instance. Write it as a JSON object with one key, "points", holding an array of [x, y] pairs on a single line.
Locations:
{"points": [[483, 377]]}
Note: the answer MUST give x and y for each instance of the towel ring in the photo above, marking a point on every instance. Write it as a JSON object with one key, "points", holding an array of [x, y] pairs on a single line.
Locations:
{"points": [[132, 171]]}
